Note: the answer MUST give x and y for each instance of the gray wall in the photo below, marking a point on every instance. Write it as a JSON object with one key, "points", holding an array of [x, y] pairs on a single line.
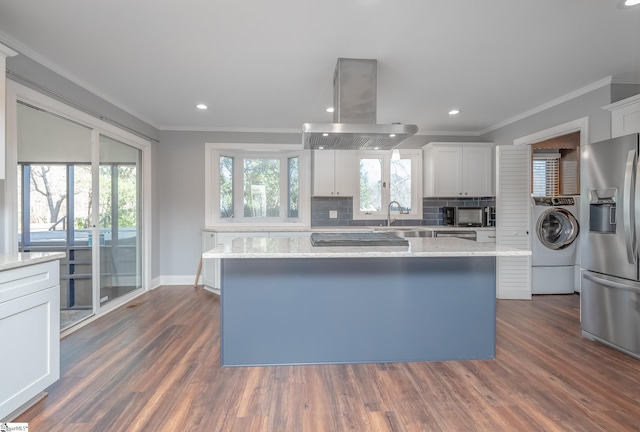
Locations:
{"points": [[180, 185], [588, 105], [623, 91], [32, 74]]}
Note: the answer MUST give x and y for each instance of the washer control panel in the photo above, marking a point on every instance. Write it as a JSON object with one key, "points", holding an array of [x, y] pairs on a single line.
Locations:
{"points": [[554, 201]]}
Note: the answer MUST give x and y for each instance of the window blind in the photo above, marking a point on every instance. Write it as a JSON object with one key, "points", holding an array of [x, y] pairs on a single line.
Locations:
{"points": [[546, 174]]}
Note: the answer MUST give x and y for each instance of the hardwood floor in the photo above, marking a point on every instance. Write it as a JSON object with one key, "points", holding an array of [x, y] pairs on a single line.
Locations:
{"points": [[154, 365]]}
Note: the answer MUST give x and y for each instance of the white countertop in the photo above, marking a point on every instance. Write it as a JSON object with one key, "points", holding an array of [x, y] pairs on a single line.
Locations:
{"points": [[280, 228], [15, 260], [300, 247], [262, 228]]}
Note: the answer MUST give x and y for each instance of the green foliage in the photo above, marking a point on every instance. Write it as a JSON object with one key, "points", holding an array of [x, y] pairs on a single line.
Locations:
{"points": [[127, 193], [294, 186], [81, 223], [226, 187], [370, 184], [261, 188]]}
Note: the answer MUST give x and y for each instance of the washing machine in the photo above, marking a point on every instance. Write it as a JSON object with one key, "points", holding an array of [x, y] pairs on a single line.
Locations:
{"points": [[555, 249]]}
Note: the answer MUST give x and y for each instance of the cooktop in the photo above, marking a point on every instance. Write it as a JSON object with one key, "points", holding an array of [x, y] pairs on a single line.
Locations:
{"points": [[357, 239]]}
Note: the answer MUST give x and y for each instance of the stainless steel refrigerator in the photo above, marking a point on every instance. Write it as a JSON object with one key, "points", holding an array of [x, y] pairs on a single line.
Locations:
{"points": [[610, 240]]}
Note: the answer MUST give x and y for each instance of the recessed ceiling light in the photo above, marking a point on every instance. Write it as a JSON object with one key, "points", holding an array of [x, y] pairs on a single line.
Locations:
{"points": [[325, 134], [330, 109], [202, 106], [320, 148], [454, 112], [392, 135]]}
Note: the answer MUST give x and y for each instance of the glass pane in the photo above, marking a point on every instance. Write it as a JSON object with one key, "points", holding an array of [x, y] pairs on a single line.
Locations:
{"points": [[54, 157], [546, 177], [401, 183], [48, 204], [293, 182], [226, 187], [20, 204], [119, 219], [370, 185], [82, 213], [261, 188]]}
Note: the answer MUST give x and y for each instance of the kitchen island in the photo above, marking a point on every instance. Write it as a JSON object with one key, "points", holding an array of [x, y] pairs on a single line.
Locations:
{"points": [[284, 301]]}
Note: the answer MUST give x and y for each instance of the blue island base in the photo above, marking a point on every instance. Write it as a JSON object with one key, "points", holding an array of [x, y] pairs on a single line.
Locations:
{"points": [[357, 310]]}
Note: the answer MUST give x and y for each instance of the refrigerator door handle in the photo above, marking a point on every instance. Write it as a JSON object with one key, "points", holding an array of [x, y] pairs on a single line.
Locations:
{"points": [[636, 208], [627, 202], [609, 283]]}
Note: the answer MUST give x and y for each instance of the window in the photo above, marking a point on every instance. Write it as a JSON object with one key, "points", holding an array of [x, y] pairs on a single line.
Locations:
{"points": [[293, 187], [546, 174], [226, 187], [384, 180], [249, 185]]}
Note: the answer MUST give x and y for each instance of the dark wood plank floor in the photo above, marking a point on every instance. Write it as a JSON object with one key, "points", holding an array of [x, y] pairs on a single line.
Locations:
{"points": [[154, 365]]}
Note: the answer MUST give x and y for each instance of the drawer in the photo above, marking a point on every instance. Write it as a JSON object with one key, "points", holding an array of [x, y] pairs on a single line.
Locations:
{"points": [[29, 279], [486, 236]]}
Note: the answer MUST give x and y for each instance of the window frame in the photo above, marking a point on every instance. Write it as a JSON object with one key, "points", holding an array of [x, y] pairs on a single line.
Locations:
{"points": [[416, 185], [283, 152]]}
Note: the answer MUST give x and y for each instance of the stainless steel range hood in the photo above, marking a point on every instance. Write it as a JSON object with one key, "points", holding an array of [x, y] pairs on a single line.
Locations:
{"points": [[354, 119]]}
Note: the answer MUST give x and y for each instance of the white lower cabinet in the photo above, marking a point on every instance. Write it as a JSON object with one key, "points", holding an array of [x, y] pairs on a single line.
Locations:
{"points": [[29, 335], [209, 266], [486, 236]]}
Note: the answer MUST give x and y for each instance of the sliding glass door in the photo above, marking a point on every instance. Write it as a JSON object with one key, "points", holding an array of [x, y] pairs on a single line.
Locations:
{"points": [[55, 192], [80, 193], [119, 228]]}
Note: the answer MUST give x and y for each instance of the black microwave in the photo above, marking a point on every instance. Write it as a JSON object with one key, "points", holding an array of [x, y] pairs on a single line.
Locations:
{"points": [[466, 216]]}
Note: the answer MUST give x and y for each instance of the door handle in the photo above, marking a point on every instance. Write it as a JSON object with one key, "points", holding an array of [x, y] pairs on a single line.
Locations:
{"points": [[629, 228], [610, 284]]}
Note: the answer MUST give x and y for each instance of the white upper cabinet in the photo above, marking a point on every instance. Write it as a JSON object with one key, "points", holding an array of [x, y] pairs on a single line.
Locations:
{"points": [[335, 173], [458, 169], [4, 53], [625, 116]]}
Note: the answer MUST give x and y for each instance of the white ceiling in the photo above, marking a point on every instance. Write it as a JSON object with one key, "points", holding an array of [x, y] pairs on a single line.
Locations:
{"points": [[268, 65]]}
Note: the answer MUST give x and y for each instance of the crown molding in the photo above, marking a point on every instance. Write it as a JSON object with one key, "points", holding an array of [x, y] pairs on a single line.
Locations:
{"points": [[5, 51], [229, 129], [622, 103], [555, 102], [28, 52]]}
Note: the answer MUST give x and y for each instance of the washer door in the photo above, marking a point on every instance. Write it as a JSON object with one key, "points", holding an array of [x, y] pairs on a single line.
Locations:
{"points": [[557, 228]]}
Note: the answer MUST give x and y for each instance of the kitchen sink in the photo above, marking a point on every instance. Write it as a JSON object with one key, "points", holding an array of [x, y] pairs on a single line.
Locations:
{"points": [[411, 233]]}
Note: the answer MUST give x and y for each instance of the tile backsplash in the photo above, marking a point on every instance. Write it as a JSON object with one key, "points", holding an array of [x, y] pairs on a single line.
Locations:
{"points": [[431, 211]]}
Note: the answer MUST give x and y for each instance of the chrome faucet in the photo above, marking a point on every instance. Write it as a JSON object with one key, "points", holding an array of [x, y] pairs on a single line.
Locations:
{"points": [[389, 221]]}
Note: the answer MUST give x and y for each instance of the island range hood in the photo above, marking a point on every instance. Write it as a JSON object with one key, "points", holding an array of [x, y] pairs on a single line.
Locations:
{"points": [[354, 118]]}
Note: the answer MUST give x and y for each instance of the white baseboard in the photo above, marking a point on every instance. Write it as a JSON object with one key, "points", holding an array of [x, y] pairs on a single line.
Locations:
{"points": [[173, 280], [514, 295]]}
